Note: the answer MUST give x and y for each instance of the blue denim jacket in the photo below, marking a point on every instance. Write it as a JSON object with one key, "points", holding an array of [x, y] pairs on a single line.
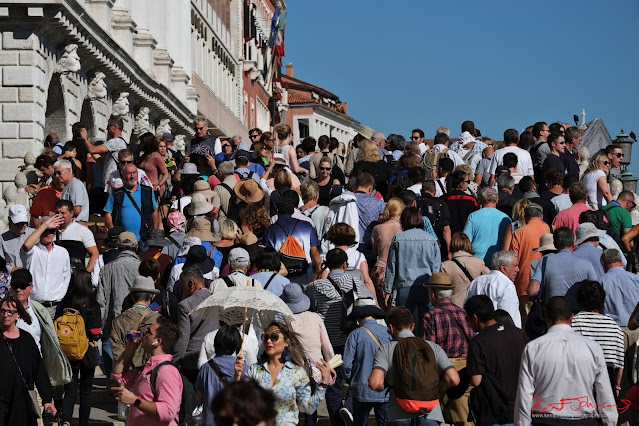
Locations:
{"points": [[412, 259]]}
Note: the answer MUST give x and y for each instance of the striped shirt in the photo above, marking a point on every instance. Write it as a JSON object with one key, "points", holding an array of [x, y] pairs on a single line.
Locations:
{"points": [[603, 330], [327, 302]]}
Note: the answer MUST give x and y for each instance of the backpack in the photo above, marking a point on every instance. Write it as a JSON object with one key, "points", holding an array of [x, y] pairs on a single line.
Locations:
{"points": [[347, 303], [190, 407], [468, 157], [72, 334], [235, 205], [416, 377], [430, 162], [246, 175], [292, 254]]}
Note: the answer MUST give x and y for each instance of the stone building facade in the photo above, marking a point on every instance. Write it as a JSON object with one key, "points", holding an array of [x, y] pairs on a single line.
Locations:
{"points": [[156, 63]]}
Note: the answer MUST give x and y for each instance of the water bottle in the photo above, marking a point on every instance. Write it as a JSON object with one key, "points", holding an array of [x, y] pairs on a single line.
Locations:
{"points": [[123, 409]]}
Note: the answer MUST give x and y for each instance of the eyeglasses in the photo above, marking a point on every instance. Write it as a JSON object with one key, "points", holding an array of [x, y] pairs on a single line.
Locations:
{"points": [[562, 143], [254, 136], [325, 168], [20, 286], [58, 172], [126, 162], [606, 163], [48, 231], [274, 337], [414, 137], [199, 129], [468, 181], [7, 312], [619, 154]]}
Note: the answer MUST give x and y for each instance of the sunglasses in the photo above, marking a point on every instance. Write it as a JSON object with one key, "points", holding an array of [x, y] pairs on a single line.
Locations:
{"points": [[9, 312], [414, 137], [254, 136], [126, 162], [468, 181], [619, 154], [199, 129], [606, 163], [562, 143], [274, 337], [325, 168], [49, 232], [20, 286]]}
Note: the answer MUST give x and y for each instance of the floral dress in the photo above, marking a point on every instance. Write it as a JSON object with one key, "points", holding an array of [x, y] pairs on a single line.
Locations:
{"points": [[292, 390]]}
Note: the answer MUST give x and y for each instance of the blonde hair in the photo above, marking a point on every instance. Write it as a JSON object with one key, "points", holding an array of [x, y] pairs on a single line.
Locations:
{"points": [[310, 191], [228, 229], [283, 131], [518, 210], [368, 151], [394, 209], [596, 161], [282, 179]]}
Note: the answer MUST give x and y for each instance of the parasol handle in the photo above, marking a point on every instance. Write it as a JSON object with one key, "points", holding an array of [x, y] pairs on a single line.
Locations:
{"points": [[248, 284]]}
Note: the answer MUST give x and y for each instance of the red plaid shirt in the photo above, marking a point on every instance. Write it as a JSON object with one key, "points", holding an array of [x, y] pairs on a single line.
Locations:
{"points": [[438, 328]]}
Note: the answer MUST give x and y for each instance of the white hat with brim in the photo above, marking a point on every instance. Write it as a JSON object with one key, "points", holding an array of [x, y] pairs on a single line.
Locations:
{"points": [[587, 230], [546, 243], [189, 169], [199, 205], [187, 244]]}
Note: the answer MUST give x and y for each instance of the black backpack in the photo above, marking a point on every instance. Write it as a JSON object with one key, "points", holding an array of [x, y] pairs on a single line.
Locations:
{"points": [[346, 306], [235, 205], [189, 402]]}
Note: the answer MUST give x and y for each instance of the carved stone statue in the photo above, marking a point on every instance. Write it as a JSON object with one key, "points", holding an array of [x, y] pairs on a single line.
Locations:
{"points": [[4, 219], [121, 105], [179, 144], [97, 86], [615, 188], [70, 60], [30, 171], [583, 119], [142, 124], [163, 127], [22, 196], [585, 159]]}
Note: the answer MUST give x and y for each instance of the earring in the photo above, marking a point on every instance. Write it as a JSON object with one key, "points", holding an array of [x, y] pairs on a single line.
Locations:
{"points": [[286, 355]]}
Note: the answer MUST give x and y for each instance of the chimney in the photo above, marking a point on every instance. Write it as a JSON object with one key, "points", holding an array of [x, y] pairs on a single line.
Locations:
{"points": [[289, 70]]}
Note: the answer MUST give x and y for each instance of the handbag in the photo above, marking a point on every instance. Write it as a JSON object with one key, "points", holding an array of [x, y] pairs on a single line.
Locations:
{"points": [[34, 407], [536, 322]]}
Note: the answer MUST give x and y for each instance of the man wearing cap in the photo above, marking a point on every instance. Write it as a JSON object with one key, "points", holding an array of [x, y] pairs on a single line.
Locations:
{"points": [[172, 153], [245, 169], [494, 354], [588, 246], [193, 326], [12, 240], [240, 264], [447, 326], [115, 279], [48, 263], [132, 206], [74, 190], [359, 355], [41, 328], [139, 317], [114, 180]]}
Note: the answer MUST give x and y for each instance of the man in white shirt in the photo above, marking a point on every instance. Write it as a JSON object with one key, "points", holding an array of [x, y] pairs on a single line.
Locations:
{"points": [[417, 136], [72, 233], [499, 285], [48, 263], [563, 377], [524, 162]]}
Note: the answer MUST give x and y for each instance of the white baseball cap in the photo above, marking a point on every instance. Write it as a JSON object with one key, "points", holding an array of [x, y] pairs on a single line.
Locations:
{"points": [[18, 213]]}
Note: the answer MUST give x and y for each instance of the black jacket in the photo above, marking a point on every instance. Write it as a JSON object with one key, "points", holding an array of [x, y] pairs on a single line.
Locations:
{"points": [[488, 403]]}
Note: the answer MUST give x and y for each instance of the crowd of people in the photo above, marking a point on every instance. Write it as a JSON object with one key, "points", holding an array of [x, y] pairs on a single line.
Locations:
{"points": [[461, 280]]}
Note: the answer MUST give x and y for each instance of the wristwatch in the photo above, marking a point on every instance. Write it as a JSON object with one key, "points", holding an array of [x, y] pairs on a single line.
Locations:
{"points": [[137, 402]]}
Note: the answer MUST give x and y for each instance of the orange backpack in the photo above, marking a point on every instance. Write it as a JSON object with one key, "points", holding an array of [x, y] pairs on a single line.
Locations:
{"points": [[292, 255]]}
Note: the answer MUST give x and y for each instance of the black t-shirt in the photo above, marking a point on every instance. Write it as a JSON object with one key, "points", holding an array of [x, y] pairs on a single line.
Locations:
{"points": [[381, 172], [460, 206], [497, 351]]}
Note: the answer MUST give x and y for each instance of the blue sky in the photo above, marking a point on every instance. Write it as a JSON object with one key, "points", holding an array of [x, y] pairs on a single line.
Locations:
{"points": [[502, 64]]}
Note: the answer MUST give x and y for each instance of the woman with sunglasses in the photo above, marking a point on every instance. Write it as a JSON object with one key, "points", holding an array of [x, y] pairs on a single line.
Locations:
{"points": [[328, 185], [282, 371], [596, 180], [23, 368]]}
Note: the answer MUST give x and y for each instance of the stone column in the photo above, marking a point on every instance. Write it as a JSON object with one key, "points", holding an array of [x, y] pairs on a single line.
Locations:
{"points": [[122, 25], [162, 61], [100, 11], [143, 41]]}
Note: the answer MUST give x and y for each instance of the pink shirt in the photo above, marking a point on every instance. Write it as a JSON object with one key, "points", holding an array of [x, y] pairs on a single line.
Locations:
{"points": [[570, 217], [168, 395]]}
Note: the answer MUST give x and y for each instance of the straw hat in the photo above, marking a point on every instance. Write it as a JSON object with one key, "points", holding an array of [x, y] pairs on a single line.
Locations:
{"points": [[278, 158], [203, 187], [199, 205], [440, 280], [249, 191], [546, 242], [201, 228]]}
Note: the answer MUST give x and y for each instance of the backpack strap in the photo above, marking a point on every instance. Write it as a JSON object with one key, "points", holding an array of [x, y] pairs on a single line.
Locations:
{"points": [[228, 281], [370, 333], [217, 371], [157, 255], [231, 200], [339, 290], [269, 280], [154, 374], [464, 270], [543, 278], [441, 186]]}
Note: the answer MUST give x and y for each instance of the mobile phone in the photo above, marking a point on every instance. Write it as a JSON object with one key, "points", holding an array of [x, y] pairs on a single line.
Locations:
{"points": [[133, 336]]}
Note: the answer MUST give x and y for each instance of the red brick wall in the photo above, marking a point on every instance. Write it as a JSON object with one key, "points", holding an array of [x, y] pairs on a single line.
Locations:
{"points": [[223, 10]]}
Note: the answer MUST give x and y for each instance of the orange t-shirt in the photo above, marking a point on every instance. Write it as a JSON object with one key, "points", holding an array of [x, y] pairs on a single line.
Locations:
{"points": [[525, 239], [44, 201]]}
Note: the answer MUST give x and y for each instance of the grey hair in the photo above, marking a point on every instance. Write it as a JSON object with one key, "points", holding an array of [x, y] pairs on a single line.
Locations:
{"points": [[237, 264], [63, 164], [191, 274], [443, 293], [487, 195], [504, 257], [200, 119], [377, 135], [610, 256], [236, 138], [226, 168], [533, 210], [444, 130], [505, 181]]}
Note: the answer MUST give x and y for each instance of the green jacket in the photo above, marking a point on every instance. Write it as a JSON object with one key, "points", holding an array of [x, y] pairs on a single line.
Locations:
{"points": [[55, 361]]}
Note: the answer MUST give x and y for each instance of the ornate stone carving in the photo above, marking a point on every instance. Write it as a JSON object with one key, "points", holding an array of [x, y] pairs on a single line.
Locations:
{"points": [[97, 87], [615, 188], [30, 171], [22, 196], [121, 105], [179, 144], [70, 60], [163, 127], [585, 159], [142, 124]]}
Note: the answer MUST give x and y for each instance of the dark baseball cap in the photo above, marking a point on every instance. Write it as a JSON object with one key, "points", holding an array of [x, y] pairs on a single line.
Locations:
{"points": [[21, 278]]}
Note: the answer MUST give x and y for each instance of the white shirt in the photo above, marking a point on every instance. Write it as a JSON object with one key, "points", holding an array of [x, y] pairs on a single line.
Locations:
{"points": [[417, 189], [561, 202], [501, 291], [524, 162], [251, 346], [595, 196], [77, 232], [34, 328], [184, 201], [457, 160], [51, 272], [438, 187], [422, 148], [564, 364]]}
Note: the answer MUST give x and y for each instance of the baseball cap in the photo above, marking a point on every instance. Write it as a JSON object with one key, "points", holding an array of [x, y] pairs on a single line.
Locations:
{"points": [[18, 213], [168, 137], [21, 278], [238, 255], [127, 239]]}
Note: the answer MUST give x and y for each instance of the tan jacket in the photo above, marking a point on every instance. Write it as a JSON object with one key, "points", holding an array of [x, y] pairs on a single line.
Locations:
{"points": [[125, 322], [475, 267]]}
